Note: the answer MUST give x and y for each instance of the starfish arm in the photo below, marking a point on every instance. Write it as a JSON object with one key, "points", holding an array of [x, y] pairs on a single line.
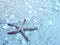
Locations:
{"points": [[13, 25], [13, 32], [23, 34], [30, 29], [10, 24], [23, 22]]}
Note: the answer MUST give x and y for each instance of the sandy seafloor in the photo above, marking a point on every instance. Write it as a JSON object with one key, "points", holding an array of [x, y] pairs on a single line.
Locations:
{"points": [[44, 14]]}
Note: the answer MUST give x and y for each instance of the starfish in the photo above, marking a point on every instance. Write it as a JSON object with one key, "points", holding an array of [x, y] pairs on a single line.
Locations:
{"points": [[21, 30]]}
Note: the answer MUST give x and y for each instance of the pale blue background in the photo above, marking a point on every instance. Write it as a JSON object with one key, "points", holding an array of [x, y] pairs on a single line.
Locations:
{"points": [[44, 14]]}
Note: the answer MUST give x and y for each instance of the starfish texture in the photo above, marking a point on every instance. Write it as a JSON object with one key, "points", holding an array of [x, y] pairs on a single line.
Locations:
{"points": [[21, 30]]}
